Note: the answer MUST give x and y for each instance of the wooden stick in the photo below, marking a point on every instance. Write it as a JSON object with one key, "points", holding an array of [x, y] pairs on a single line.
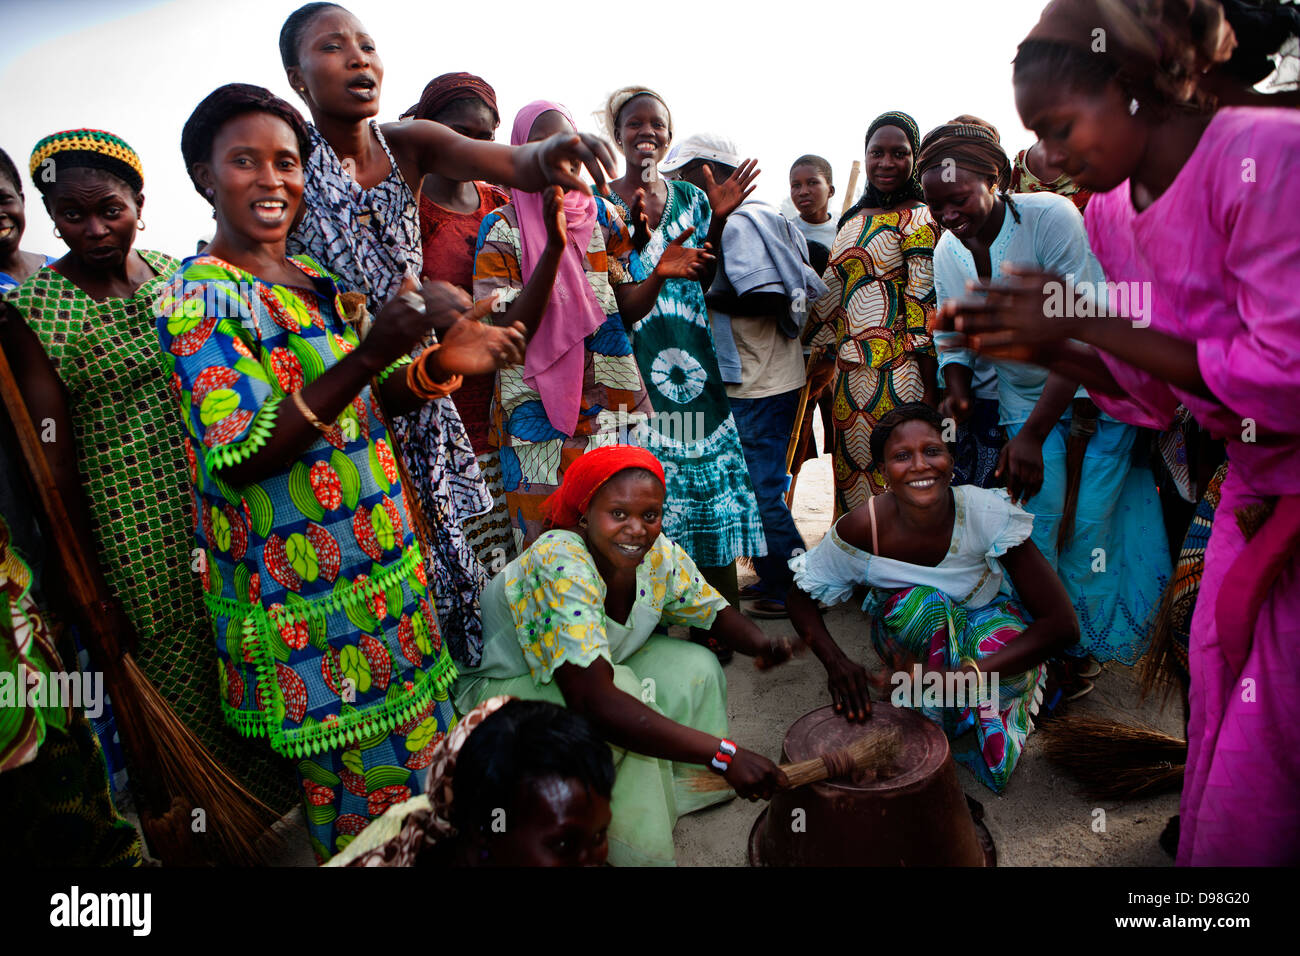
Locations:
{"points": [[853, 185], [877, 749]]}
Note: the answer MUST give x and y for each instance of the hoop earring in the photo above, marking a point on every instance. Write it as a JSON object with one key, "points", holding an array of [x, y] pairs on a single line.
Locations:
{"points": [[57, 234], [139, 224]]}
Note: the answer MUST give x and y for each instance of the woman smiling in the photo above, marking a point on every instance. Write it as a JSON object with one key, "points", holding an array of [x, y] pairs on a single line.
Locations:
{"points": [[326, 640]]}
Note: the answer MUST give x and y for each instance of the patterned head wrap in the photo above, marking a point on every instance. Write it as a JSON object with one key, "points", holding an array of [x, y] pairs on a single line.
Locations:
{"points": [[911, 188], [972, 145], [424, 828], [88, 149], [620, 98], [588, 474], [442, 91]]}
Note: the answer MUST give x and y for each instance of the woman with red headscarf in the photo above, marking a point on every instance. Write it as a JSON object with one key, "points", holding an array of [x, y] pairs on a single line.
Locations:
{"points": [[573, 620]]}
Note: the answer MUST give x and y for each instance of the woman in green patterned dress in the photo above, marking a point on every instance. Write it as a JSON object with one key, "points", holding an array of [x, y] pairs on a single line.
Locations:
{"points": [[124, 476], [711, 512]]}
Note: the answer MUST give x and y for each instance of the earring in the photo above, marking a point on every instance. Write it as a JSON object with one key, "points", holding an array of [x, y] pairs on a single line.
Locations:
{"points": [[139, 224], [1133, 106], [209, 192], [57, 234]]}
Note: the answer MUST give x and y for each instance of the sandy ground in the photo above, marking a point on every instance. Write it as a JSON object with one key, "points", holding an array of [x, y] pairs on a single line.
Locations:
{"points": [[1041, 820]]}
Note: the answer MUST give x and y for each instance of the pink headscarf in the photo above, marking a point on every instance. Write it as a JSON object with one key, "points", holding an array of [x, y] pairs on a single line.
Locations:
{"points": [[556, 355]]}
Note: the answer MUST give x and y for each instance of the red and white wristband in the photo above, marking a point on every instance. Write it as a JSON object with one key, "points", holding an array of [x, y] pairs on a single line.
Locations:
{"points": [[722, 759]]}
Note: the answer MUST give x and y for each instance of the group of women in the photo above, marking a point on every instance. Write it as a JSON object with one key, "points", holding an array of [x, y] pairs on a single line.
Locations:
{"points": [[429, 451]]}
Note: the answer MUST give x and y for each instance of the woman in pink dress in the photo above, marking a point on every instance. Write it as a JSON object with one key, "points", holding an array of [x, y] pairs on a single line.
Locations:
{"points": [[1202, 273]]}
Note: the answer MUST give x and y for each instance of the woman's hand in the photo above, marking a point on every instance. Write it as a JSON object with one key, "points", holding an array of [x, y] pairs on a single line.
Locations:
{"points": [[957, 407], [557, 155], [1005, 319], [776, 651], [557, 224], [849, 685], [753, 776], [638, 222], [406, 319], [1021, 460], [725, 196], [472, 348], [678, 262]]}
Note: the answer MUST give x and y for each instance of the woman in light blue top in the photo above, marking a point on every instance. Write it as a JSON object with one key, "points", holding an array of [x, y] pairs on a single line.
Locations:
{"points": [[1101, 527]]}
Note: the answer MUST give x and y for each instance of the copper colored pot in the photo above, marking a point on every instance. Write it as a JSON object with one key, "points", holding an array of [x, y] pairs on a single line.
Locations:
{"points": [[912, 813]]}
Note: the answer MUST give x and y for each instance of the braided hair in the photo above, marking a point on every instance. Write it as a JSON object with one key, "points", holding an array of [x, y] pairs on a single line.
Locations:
{"points": [[974, 145], [872, 198], [224, 104], [901, 415]]}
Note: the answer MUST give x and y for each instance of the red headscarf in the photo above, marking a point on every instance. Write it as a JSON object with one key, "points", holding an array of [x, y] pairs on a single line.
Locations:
{"points": [[585, 477], [443, 90]]}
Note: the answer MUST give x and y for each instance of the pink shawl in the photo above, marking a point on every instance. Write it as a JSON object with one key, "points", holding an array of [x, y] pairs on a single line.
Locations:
{"points": [[556, 355]]}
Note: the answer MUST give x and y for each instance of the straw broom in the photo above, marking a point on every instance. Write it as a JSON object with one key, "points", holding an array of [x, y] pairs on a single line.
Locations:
{"points": [[1114, 761], [170, 767], [876, 749]]}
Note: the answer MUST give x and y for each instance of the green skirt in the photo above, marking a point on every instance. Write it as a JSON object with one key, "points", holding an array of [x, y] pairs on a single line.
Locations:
{"points": [[680, 680]]}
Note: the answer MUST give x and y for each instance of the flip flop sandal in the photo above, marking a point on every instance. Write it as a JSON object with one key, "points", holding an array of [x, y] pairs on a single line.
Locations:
{"points": [[1089, 668], [751, 592], [721, 651], [1082, 689], [768, 609]]}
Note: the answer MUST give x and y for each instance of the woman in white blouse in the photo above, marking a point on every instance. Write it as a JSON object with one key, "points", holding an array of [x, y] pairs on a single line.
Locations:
{"points": [[957, 587]]}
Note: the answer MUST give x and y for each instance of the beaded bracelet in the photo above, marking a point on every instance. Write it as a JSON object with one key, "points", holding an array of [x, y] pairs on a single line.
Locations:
{"points": [[722, 759]]}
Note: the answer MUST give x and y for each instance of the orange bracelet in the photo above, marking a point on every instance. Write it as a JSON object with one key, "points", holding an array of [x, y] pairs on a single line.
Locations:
{"points": [[419, 381]]}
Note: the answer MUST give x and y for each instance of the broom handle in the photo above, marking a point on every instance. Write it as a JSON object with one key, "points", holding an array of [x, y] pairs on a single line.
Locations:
{"points": [[81, 580], [853, 184]]}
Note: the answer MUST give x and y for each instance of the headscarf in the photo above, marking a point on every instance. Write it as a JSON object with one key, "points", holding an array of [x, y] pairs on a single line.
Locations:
{"points": [[424, 828], [588, 474], [554, 361], [87, 149], [442, 91], [911, 188], [973, 146], [620, 98], [1166, 43]]}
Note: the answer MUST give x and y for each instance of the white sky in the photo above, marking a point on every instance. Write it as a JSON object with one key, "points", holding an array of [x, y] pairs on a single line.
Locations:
{"points": [[789, 79]]}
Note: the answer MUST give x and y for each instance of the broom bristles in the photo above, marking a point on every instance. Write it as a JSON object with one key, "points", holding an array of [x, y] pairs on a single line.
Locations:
{"points": [[878, 749], [235, 822], [1114, 761]]}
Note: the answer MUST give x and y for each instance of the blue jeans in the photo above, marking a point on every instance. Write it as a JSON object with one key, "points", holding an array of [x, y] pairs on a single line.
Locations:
{"points": [[765, 425]]}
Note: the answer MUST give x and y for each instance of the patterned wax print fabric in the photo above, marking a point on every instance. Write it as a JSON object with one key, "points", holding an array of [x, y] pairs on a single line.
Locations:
{"points": [[962, 607], [924, 624], [547, 608], [54, 788], [1023, 181], [132, 461], [370, 238], [875, 314], [614, 409], [449, 240], [326, 641], [710, 509], [1221, 269]]}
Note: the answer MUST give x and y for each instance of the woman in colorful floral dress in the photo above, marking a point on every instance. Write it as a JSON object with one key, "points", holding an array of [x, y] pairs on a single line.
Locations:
{"points": [[326, 639], [881, 294]]}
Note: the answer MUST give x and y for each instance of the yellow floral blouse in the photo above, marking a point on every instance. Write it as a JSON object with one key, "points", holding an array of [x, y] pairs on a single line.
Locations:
{"points": [[547, 608]]}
